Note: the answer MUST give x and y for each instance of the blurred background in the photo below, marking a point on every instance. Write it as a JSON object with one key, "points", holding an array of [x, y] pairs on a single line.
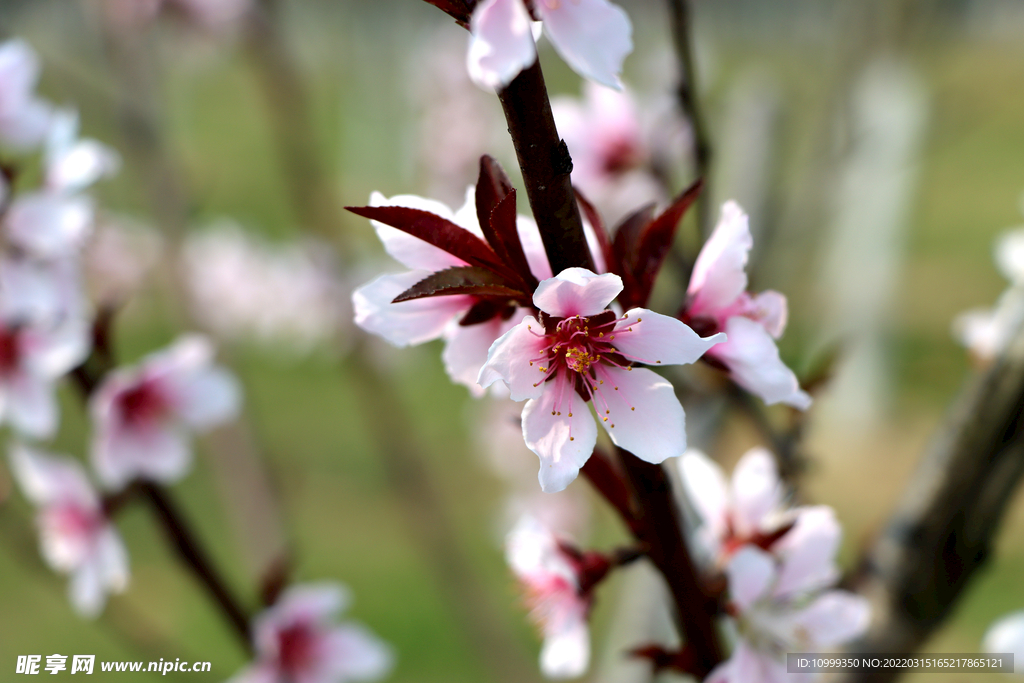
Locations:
{"points": [[878, 147]]}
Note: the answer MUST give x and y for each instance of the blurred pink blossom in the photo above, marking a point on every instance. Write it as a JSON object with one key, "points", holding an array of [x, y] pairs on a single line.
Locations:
{"points": [[298, 641], [592, 36], [24, 118], [584, 353], [76, 537], [553, 593], [718, 301], [118, 257], [143, 415]]}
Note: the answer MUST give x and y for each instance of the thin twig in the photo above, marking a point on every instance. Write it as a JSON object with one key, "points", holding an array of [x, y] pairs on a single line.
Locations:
{"points": [[682, 29]]}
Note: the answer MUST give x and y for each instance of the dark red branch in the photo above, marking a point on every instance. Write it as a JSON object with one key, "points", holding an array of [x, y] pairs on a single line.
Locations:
{"points": [[546, 164], [192, 554]]}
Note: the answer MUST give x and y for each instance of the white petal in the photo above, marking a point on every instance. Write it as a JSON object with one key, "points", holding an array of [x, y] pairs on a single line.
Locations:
{"points": [[756, 490], [808, 552], [753, 361], [112, 559], [466, 350], [719, 275], [56, 351], [314, 601], [1009, 256], [509, 359], [82, 165], [644, 415], [576, 291], [753, 666], [159, 454], [558, 427], [592, 36], [356, 654], [834, 618], [32, 405], [86, 592], [46, 478], [566, 652], [26, 128], [1007, 636], [412, 252], [656, 339], [750, 572], [706, 490], [49, 225], [501, 43], [772, 311], [533, 247], [409, 322], [207, 397]]}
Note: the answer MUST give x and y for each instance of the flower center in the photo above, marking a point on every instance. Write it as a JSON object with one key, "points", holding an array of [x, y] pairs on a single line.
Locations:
{"points": [[10, 350], [143, 403], [296, 648]]}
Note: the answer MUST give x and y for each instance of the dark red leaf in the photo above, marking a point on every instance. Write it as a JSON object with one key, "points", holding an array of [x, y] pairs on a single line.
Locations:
{"points": [[434, 230], [595, 220], [656, 239], [496, 211], [625, 251], [461, 280], [460, 10]]}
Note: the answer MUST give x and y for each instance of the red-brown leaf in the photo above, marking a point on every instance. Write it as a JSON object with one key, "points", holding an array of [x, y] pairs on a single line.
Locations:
{"points": [[461, 280]]}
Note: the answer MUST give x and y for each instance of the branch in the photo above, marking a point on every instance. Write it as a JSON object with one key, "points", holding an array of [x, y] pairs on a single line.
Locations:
{"points": [[942, 531], [546, 164], [192, 553], [687, 94]]}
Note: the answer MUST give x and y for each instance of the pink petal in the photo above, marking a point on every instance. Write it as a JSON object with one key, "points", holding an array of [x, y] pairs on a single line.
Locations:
{"points": [[592, 36], [533, 247], [47, 479], [86, 592], [558, 427], [808, 552], [56, 351], [719, 275], [159, 454], [750, 573], [754, 363], [754, 666], [656, 339], [501, 43], [409, 322], [112, 559], [706, 490], [81, 166], [26, 127], [509, 359], [834, 618], [644, 415], [576, 291], [313, 601], [756, 490], [32, 405], [355, 654], [49, 225], [207, 397], [771, 311], [465, 352], [410, 251], [566, 652], [258, 673], [19, 72]]}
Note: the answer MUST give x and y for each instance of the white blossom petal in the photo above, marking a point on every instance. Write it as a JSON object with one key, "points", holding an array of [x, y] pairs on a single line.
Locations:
{"points": [[509, 359], [834, 618], [501, 43], [644, 415], [412, 252], [355, 654], [719, 275], [756, 490], [655, 339], [576, 291], [750, 573], [466, 350], [808, 552], [409, 322], [707, 491], [566, 652], [559, 428], [754, 363], [1007, 636], [592, 36]]}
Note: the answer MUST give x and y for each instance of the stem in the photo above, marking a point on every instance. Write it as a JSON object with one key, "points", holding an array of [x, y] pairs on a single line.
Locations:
{"points": [[659, 529], [687, 93], [546, 164], [192, 554]]}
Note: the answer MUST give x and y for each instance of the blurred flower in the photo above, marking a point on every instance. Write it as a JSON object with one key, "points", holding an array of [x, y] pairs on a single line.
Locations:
{"points": [[750, 509], [592, 36], [241, 286], [780, 605], [211, 15], [142, 415], [617, 152], [986, 332], [718, 301], [424, 319], [553, 592], [1006, 636], [584, 352], [24, 118], [118, 257], [298, 641], [43, 336], [75, 535], [55, 220]]}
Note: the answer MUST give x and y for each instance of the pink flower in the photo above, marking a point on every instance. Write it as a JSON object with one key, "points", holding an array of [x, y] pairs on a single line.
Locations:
{"points": [[780, 606], [298, 641], [75, 535], [24, 117], [592, 36], [142, 415], [43, 336], [751, 509], [421, 320], [55, 220], [553, 592], [718, 301], [583, 353]]}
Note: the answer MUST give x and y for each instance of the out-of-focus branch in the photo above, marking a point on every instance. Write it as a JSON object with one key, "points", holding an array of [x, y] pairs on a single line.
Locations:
{"points": [[192, 553], [942, 531], [682, 38], [546, 164]]}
